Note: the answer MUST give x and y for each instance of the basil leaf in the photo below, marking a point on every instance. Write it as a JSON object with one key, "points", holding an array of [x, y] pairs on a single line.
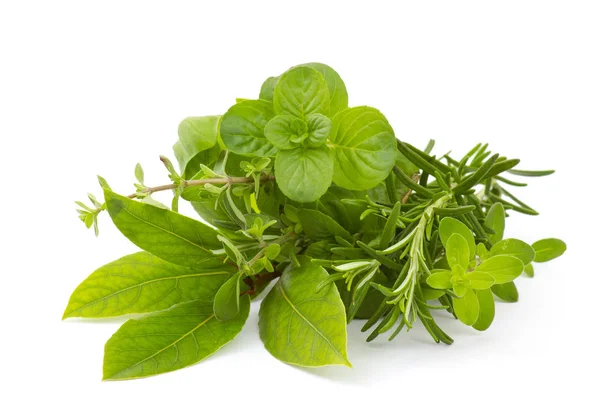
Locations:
{"points": [[166, 234], [318, 129], [449, 226], [364, 148], [457, 253], [302, 174], [227, 299], [243, 125], [301, 91], [548, 249], [301, 326], [487, 309], [503, 268], [516, 248], [169, 340], [282, 128], [338, 96], [267, 88], [440, 280], [466, 308], [495, 220], [507, 292], [480, 280], [140, 283], [319, 226], [196, 134]]}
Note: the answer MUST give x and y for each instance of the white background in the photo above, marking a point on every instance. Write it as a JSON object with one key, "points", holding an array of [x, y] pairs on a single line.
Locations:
{"points": [[92, 88]]}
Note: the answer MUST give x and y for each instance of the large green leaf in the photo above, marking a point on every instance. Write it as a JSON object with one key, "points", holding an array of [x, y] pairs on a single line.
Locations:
{"points": [[164, 233], [495, 220], [303, 174], [515, 248], [300, 92], [141, 282], [548, 249], [503, 268], [364, 148], [169, 340], [301, 326], [196, 135], [243, 128], [338, 95], [319, 226]]}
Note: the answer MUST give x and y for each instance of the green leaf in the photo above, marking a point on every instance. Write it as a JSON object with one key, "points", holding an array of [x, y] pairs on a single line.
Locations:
{"points": [[495, 220], [431, 294], [301, 326], [528, 270], [243, 125], [166, 234], [281, 129], [440, 280], [227, 299], [318, 128], [139, 173], [449, 226], [516, 248], [338, 96], [503, 268], [466, 308], [196, 134], [301, 91], [169, 340], [482, 252], [548, 249], [487, 309], [140, 283], [364, 148], [319, 226], [267, 88], [457, 253], [302, 174], [507, 292], [480, 280]]}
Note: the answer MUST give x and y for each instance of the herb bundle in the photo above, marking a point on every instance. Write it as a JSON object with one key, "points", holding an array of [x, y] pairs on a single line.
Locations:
{"points": [[322, 199]]}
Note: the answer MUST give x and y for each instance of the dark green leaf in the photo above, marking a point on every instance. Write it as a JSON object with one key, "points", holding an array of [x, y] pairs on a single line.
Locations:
{"points": [[319, 226]]}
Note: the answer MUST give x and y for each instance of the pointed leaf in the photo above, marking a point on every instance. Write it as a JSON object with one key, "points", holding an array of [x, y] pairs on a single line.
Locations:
{"points": [[528, 270], [449, 226], [166, 234], [487, 310], [466, 308], [301, 326], [140, 283], [227, 299], [169, 340], [548, 249], [503, 268]]}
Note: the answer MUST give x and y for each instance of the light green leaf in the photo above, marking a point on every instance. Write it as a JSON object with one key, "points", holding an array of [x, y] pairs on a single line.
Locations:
{"points": [[364, 148], [450, 225], [319, 226], [459, 288], [267, 88], [301, 326], [457, 253], [196, 135], [318, 128], [227, 299], [140, 283], [514, 247], [487, 310], [169, 340], [337, 89], [139, 173], [243, 125], [507, 292], [548, 249], [166, 234], [495, 220], [440, 280], [301, 91], [482, 252], [503, 268], [480, 280], [302, 174], [528, 270], [283, 128], [466, 308], [428, 294]]}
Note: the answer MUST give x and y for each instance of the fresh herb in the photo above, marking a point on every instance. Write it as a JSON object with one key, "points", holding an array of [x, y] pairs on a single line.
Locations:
{"points": [[298, 189]]}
